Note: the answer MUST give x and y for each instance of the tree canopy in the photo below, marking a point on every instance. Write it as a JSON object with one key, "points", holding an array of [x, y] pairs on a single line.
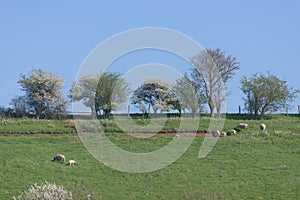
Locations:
{"points": [[187, 95], [212, 70], [85, 90], [43, 92], [111, 93], [102, 92], [154, 92], [265, 93]]}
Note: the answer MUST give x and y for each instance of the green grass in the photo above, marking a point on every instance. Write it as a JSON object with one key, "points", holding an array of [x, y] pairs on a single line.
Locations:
{"points": [[250, 165], [274, 123], [34, 126]]}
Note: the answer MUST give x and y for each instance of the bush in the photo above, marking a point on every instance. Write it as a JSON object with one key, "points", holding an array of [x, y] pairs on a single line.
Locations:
{"points": [[45, 191]]}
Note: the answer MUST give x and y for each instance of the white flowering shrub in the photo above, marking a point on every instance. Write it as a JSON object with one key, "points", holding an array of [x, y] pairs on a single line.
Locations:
{"points": [[45, 191]]}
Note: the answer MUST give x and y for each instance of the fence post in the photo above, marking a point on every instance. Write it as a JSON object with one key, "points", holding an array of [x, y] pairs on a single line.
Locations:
{"points": [[128, 111]]}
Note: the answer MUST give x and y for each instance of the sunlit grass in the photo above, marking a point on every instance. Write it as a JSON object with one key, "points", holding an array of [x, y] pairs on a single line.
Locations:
{"points": [[250, 165]]}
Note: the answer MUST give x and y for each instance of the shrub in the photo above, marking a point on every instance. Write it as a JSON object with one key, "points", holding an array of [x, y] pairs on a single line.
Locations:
{"points": [[45, 191]]}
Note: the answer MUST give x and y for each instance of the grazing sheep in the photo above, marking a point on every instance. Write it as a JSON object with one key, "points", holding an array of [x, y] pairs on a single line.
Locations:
{"points": [[59, 158], [231, 132], [242, 126], [70, 123], [216, 133], [263, 127], [237, 129], [223, 134], [72, 162]]}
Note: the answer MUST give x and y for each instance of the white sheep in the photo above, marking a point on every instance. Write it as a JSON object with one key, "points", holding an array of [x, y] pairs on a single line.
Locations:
{"points": [[231, 132], [59, 158], [72, 162], [216, 133], [223, 134], [177, 135], [263, 127], [242, 126]]}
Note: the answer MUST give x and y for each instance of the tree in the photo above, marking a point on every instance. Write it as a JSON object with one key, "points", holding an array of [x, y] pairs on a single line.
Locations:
{"points": [[6, 112], [212, 70], [20, 106], [85, 90], [111, 93], [59, 108], [186, 94], [154, 92], [102, 92], [266, 93], [42, 90]]}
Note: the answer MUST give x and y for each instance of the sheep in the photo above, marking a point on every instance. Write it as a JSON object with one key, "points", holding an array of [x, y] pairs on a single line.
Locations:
{"points": [[216, 133], [59, 158], [72, 162], [177, 135], [263, 127], [223, 134], [242, 126], [231, 132]]}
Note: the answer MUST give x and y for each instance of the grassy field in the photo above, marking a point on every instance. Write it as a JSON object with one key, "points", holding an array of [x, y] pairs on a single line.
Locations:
{"points": [[29, 126], [250, 165]]}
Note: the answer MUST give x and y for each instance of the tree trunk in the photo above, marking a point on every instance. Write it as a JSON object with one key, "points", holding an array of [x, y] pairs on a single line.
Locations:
{"points": [[262, 115], [212, 108], [193, 113], [106, 114], [219, 111], [149, 106], [128, 111], [155, 111], [93, 113], [37, 114]]}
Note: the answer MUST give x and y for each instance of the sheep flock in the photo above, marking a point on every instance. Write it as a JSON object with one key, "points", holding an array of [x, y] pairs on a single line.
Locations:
{"points": [[238, 128]]}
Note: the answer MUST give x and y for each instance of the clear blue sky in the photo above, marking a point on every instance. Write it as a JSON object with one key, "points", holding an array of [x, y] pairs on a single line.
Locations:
{"points": [[57, 35]]}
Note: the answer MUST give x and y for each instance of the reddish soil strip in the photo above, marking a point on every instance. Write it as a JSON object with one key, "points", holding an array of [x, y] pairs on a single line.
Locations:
{"points": [[161, 133]]}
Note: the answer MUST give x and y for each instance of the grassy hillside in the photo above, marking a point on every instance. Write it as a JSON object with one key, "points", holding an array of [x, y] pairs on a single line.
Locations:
{"points": [[250, 165], [29, 126]]}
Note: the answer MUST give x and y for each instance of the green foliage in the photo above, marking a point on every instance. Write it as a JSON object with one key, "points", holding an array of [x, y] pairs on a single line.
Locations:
{"points": [[266, 93], [155, 92], [102, 92], [20, 106], [111, 93], [85, 90], [187, 95]]}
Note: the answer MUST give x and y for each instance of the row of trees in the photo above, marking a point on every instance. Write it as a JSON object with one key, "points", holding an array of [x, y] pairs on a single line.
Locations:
{"points": [[107, 92]]}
